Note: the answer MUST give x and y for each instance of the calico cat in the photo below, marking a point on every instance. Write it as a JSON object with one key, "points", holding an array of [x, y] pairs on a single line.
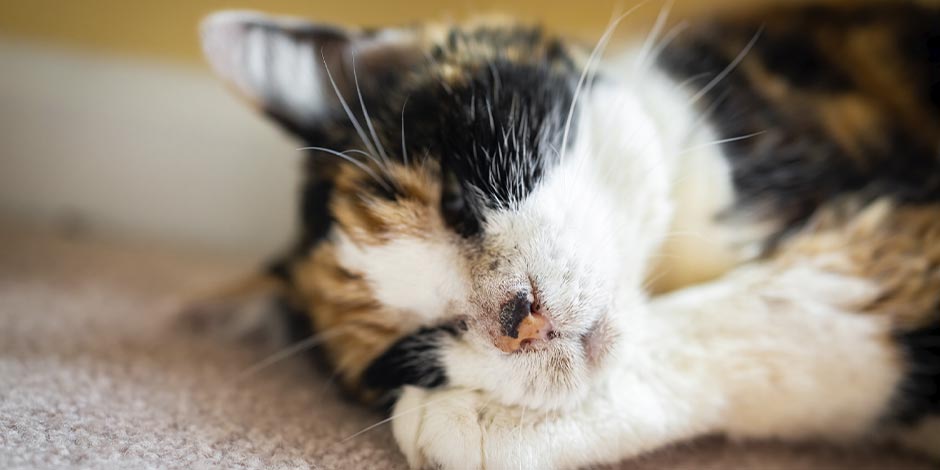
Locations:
{"points": [[488, 211]]}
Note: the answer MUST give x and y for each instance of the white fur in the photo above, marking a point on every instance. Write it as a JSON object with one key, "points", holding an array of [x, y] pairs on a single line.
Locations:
{"points": [[754, 354], [419, 277], [761, 352], [266, 65], [586, 232], [758, 353]]}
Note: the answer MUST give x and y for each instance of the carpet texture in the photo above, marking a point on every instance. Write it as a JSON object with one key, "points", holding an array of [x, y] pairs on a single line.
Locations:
{"points": [[92, 376]]}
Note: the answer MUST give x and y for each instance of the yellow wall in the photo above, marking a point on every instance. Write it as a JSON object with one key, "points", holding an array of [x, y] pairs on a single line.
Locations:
{"points": [[166, 28]]}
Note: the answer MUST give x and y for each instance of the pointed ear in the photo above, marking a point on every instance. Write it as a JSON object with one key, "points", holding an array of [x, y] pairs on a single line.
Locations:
{"points": [[284, 65]]}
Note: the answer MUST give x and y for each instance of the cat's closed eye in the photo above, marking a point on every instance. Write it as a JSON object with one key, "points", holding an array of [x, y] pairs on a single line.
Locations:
{"points": [[455, 208]]}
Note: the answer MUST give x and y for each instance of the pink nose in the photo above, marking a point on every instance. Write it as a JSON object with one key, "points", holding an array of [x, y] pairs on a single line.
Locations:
{"points": [[523, 325]]}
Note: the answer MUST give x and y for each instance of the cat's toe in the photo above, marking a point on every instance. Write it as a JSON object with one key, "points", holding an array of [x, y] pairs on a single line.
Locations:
{"points": [[439, 429]]}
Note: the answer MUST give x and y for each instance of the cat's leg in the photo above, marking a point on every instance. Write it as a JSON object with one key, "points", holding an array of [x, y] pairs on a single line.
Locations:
{"points": [[763, 352], [463, 429], [241, 309], [791, 351], [923, 437]]}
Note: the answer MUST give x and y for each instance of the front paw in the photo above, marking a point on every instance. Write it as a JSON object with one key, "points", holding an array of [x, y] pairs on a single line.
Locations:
{"points": [[440, 429]]}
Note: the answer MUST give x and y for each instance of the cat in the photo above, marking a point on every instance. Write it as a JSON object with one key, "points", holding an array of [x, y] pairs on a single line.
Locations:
{"points": [[542, 258]]}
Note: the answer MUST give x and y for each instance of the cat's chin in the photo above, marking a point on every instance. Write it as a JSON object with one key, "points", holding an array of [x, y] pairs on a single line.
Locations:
{"points": [[586, 357]]}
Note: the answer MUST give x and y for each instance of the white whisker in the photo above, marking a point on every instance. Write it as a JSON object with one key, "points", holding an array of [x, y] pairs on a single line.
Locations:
{"points": [[390, 418], [647, 47], [287, 352], [349, 113], [670, 36], [365, 112], [721, 141], [727, 71], [355, 162], [598, 49], [404, 148]]}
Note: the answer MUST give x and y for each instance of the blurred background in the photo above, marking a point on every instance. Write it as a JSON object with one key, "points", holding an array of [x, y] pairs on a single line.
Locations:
{"points": [[112, 127]]}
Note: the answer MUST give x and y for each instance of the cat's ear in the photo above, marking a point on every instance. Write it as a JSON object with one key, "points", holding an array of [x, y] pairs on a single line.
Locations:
{"points": [[285, 65]]}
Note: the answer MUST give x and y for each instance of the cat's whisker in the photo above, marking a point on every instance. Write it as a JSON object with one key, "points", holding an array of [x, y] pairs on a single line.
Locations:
{"points": [[522, 416], [395, 416], [404, 148], [685, 233], [649, 283], [289, 351], [337, 369], [588, 66], [358, 152], [670, 36], [647, 47], [730, 68], [350, 115], [375, 139], [721, 141], [365, 168], [703, 119]]}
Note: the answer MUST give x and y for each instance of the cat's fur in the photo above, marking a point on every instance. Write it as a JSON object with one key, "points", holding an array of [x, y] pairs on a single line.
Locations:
{"points": [[786, 164]]}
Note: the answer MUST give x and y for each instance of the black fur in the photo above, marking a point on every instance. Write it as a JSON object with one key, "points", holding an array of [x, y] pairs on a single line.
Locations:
{"points": [[314, 211], [412, 360], [495, 133], [797, 58], [793, 166], [316, 220], [919, 394], [921, 46]]}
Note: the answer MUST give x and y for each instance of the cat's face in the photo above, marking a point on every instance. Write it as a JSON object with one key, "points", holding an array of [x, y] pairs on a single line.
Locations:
{"points": [[453, 234]]}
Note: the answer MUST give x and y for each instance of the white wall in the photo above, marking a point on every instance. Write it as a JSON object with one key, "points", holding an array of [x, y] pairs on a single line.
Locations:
{"points": [[146, 150]]}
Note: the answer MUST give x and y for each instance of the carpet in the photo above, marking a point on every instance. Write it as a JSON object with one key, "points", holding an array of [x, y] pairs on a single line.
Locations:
{"points": [[93, 376]]}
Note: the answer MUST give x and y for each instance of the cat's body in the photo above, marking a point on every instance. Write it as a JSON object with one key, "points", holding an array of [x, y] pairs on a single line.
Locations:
{"points": [[491, 257]]}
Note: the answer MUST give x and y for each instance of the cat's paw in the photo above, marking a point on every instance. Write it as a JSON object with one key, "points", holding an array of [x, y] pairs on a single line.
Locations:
{"points": [[440, 429]]}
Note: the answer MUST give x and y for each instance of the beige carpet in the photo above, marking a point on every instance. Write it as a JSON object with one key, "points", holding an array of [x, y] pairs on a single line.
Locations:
{"points": [[91, 376]]}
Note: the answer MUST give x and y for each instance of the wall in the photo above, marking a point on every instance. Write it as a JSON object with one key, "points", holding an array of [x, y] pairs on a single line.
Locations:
{"points": [[110, 125], [140, 149]]}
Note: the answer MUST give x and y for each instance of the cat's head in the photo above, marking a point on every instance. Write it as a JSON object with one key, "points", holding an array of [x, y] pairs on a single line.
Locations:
{"points": [[458, 225]]}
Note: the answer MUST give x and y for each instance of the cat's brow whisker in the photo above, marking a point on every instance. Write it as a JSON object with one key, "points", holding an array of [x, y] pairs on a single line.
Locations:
{"points": [[727, 70], [706, 115], [365, 168], [375, 139], [588, 66], [647, 47], [404, 148], [670, 36], [349, 113], [653, 280], [721, 141], [358, 152]]}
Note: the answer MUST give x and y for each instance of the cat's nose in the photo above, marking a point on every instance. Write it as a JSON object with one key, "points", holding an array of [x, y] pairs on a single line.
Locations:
{"points": [[523, 325]]}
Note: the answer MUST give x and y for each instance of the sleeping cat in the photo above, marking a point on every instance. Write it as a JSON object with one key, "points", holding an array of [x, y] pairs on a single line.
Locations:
{"points": [[488, 212]]}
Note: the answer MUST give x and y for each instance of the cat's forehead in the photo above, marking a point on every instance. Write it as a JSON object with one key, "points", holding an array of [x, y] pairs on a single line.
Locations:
{"points": [[497, 128]]}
